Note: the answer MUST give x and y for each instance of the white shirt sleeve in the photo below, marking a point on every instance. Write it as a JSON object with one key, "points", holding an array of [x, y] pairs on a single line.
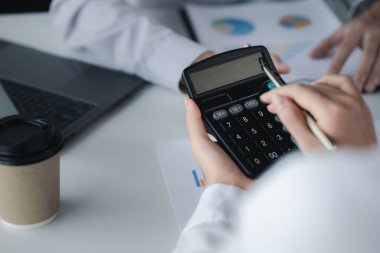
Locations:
{"points": [[212, 223], [114, 32], [322, 203]]}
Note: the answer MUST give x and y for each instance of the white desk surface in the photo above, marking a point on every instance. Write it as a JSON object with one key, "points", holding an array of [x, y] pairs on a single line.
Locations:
{"points": [[113, 195]]}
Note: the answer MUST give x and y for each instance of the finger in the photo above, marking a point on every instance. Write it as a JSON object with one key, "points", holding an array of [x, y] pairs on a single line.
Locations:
{"points": [[194, 124], [306, 96], [204, 56], [349, 42], [294, 120], [323, 48], [278, 63], [341, 82], [371, 42], [374, 80]]}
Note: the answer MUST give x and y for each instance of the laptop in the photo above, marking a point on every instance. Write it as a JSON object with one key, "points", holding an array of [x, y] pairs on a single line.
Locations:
{"points": [[70, 92]]}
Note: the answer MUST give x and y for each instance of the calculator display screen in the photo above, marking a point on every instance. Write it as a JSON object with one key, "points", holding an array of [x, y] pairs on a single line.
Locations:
{"points": [[226, 73]]}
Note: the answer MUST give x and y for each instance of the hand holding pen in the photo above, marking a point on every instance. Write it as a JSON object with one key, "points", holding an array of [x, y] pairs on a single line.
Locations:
{"points": [[323, 139], [337, 106]]}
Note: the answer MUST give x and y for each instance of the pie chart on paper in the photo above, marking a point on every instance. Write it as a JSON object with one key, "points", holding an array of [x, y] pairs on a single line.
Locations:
{"points": [[294, 22], [232, 26]]}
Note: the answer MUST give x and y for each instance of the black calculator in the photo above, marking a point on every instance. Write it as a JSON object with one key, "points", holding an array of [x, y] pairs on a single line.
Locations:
{"points": [[227, 89]]}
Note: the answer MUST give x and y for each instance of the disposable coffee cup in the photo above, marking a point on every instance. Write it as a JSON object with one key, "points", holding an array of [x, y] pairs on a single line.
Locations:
{"points": [[29, 171]]}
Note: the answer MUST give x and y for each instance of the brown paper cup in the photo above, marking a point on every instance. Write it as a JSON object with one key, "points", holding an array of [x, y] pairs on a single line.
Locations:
{"points": [[29, 171], [29, 195]]}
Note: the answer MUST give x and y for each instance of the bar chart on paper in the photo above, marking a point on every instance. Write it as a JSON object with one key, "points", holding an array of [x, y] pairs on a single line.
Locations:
{"points": [[183, 176], [199, 182]]}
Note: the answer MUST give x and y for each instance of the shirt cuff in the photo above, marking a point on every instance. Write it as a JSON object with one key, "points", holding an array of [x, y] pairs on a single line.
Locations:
{"points": [[359, 6], [170, 56], [217, 204]]}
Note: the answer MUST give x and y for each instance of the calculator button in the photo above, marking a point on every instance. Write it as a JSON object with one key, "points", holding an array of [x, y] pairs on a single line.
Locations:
{"points": [[248, 149], [257, 162], [277, 119], [272, 153], [261, 113], [264, 142], [287, 147], [284, 128], [280, 138], [270, 125], [244, 119], [250, 104], [236, 109], [238, 136], [229, 124], [220, 114], [254, 131], [270, 85]]}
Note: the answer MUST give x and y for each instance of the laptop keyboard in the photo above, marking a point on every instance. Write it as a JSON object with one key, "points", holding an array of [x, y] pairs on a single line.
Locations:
{"points": [[63, 110]]}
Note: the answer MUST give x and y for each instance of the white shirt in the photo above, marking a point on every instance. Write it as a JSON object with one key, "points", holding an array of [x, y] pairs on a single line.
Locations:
{"points": [[117, 35], [324, 203]]}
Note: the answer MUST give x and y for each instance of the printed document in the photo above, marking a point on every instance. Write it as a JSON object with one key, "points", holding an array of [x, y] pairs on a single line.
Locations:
{"points": [[290, 29]]}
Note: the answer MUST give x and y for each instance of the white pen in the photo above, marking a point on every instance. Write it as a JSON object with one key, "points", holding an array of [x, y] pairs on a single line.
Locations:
{"points": [[309, 120]]}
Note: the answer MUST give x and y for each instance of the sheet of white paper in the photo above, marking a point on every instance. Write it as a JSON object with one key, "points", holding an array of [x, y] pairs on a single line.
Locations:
{"points": [[183, 176], [290, 29]]}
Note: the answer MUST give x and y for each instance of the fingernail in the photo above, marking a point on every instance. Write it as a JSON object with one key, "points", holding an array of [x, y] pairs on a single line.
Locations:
{"points": [[186, 102], [269, 108], [278, 102], [266, 97]]}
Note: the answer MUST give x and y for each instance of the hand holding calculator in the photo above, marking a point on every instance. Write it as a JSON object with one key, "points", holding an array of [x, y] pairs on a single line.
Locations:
{"points": [[227, 88]]}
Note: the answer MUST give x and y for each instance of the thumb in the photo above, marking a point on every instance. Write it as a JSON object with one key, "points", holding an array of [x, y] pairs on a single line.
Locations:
{"points": [[294, 120]]}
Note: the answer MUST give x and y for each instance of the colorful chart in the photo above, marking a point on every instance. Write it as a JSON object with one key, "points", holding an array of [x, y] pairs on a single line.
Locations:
{"points": [[232, 26], [294, 22], [199, 182]]}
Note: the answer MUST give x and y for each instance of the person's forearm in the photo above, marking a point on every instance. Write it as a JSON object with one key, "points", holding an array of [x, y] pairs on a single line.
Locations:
{"points": [[213, 222], [118, 35]]}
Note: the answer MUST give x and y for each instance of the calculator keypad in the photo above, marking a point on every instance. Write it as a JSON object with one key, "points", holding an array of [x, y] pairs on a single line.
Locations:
{"points": [[255, 136]]}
